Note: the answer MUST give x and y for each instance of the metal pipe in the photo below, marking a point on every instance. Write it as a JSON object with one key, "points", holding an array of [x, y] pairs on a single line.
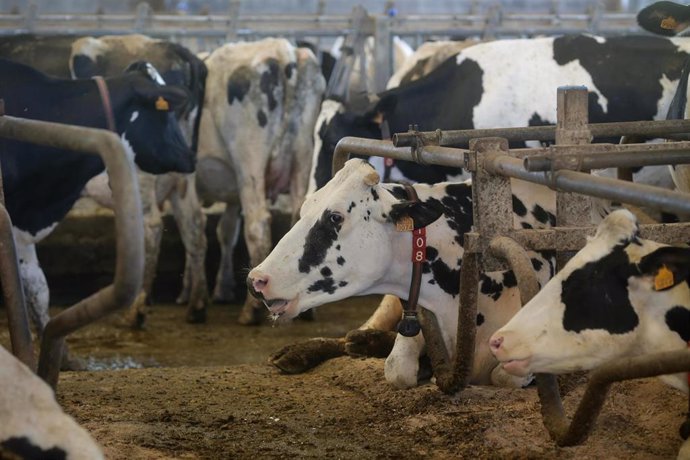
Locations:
{"points": [[13, 295], [601, 187], [600, 156], [542, 133], [347, 146], [569, 433], [129, 265]]}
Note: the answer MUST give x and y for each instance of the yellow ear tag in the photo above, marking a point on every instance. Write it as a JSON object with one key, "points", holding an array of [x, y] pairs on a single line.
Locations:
{"points": [[669, 23], [663, 279], [162, 104], [405, 224]]}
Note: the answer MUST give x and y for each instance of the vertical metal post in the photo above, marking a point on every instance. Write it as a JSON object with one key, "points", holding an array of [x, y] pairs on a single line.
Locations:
{"points": [[572, 210], [383, 52], [31, 16], [233, 20]]}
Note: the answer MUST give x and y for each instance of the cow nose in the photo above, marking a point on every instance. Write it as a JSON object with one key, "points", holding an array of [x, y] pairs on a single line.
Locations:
{"points": [[256, 284], [495, 343]]}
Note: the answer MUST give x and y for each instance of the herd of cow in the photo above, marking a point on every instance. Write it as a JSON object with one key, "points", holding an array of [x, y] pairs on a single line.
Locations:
{"points": [[248, 122]]}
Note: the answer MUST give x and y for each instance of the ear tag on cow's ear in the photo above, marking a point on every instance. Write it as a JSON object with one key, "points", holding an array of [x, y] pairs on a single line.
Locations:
{"points": [[405, 224], [162, 104], [669, 23], [663, 279]]}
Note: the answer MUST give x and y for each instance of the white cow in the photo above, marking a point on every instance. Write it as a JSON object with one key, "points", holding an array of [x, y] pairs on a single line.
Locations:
{"points": [[346, 244], [33, 424], [255, 142]]}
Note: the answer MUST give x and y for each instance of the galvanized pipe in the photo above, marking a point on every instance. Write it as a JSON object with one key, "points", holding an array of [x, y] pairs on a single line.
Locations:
{"points": [[600, 156], [129, 263], [602, 187], [542, 133]]}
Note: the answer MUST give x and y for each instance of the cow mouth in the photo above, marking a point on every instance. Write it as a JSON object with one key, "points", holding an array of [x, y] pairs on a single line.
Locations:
{"points": [[518, 367], [280, 307]]}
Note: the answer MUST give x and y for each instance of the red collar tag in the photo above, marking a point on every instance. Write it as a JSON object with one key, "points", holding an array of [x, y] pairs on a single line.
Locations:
{"points": [[419, 245]]}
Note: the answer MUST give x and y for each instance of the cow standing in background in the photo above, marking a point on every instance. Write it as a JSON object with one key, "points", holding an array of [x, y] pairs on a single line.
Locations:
{"points": [[41, 184], [255, 142], [83, 57]]}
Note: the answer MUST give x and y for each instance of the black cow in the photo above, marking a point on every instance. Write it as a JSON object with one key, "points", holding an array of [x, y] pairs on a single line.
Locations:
{"points": [[41, 184]]}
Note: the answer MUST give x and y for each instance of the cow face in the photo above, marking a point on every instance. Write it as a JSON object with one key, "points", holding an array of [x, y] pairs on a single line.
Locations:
{"points": [[343, 244], [618, 296], [149, 108]]}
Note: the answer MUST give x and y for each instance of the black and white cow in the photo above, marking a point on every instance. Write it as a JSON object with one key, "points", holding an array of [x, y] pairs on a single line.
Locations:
{"points": [[34, 425], [512, 83], [619, 296], [41, 184], [66, 56], [261, 103], [346, 244]]}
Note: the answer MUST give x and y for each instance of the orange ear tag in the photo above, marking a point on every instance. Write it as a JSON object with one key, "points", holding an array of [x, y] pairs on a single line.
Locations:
{"points": [[663, 279], [669, 23], [405, 224], [162, 104]]}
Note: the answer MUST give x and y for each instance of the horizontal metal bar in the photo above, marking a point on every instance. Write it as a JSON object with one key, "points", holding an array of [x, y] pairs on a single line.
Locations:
{"points": [[601, 187], [597, 156], [542, 133]]}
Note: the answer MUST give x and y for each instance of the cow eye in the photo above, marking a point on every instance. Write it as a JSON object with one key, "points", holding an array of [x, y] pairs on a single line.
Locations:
{"points": [[336, 218]]}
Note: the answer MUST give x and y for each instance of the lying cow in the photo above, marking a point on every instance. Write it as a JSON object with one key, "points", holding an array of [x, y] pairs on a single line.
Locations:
{"points": [[346, 244], [255, 141], [33, 424], [619, 296], [41, 184]]}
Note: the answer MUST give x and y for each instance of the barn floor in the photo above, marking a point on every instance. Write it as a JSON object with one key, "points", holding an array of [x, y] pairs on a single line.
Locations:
{"points": [[211, 395]]}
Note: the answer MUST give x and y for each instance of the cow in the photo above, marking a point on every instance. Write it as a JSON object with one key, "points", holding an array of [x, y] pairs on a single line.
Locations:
{"points": [[346, 244], [70, 56], [259, 111], [619, 296], [33, 424], [41, 184]]}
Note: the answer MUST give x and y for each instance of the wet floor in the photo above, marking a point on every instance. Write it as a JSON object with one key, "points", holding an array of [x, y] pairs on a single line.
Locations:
{"points": [[168, 341]]}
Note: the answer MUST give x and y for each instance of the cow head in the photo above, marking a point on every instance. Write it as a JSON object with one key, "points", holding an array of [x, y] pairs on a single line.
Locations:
{"points": [[620, 295], [343, 244], [664, 18], [145, 105]]}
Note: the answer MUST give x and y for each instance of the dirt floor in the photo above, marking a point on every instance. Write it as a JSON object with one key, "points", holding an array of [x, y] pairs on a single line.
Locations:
{"points": [[206, 392]]}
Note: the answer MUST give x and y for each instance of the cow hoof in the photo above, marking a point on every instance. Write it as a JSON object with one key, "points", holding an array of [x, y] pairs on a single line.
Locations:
{"points": [[138, 321], [369, 342], [301, 356], [196, 315]]}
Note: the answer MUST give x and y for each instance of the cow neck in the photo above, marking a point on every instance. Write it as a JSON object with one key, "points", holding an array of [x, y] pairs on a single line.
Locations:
{"points": [[105, 101], [409, 325]]}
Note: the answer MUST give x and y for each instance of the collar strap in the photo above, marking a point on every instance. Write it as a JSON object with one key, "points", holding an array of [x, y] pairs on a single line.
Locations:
{"points": [[409, 325], [105, 100]]}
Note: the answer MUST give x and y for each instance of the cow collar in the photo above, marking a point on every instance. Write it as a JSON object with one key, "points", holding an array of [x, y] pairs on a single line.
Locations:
{"points": [[105, 99], [409, 325]]}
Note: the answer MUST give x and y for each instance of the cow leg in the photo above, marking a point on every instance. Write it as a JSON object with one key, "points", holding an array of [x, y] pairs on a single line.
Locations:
{"points": [[37, 296], [402, 365], [228, 232], [153, 231], [191, 223]]}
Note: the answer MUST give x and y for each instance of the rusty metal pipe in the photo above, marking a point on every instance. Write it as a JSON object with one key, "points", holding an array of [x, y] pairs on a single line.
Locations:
{"points": [[448, 138], [567, 433], [626, 156], [129, 263], [602, 187], [13, 295], [358, 146]]}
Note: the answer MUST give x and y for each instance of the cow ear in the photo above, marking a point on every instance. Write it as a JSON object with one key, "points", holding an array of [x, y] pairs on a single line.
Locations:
{"points": [[664, 18], [418, 213], [668, 265], [164, 98]]}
